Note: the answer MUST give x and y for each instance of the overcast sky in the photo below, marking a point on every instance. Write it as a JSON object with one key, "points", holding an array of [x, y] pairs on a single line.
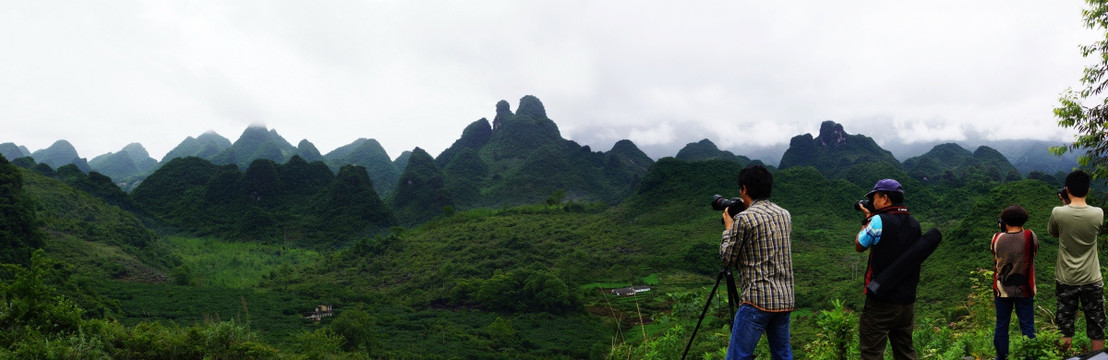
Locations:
{"points": [[744, 74]]}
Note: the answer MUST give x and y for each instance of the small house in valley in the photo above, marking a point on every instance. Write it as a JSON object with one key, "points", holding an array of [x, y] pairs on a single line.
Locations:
{"points": [[628, 291], [320, 312]]}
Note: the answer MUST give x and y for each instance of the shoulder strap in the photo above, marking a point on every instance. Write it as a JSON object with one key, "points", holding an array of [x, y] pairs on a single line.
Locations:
{"points": [[996, 274], [1029, 258], [1030, 242], [1028, 252]]}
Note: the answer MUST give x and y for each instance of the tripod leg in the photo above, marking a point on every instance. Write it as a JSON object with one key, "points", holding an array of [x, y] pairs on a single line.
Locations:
{"points": [[732, 293], [705, 311]]}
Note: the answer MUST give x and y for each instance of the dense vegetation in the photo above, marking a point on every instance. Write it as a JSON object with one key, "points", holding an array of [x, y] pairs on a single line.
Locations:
{"points": [[505, 246], [512, 282], [18, 223], [296, 202]]}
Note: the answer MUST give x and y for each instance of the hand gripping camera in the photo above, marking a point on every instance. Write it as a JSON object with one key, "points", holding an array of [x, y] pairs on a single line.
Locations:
{"points": [[733, 205], [864, 203]]}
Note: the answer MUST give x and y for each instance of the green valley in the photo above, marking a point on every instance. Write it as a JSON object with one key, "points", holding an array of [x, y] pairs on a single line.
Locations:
{"points": [[506, 246]]}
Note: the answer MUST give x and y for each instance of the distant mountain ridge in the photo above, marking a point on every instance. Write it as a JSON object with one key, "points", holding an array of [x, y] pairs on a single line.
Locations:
{"points": [[951, 160], [205, 146], [707, 150], [12, 151], [521, 158], [59, 154], [835, 151], [513, 141], [130, 162], [256, 142], [1026, 155], [370, 154]]}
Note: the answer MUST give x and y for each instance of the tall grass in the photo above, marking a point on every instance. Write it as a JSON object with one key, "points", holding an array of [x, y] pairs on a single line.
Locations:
{"points": [[239, 265]]}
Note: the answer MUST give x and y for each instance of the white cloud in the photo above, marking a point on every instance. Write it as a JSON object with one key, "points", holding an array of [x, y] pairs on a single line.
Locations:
{"points": [[657, 135], [740, 73]]}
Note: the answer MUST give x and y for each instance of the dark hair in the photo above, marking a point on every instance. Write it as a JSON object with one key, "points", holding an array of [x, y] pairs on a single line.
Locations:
{"points": [[1077, 182], [758, 181], [895, 197], [1014, 215]]}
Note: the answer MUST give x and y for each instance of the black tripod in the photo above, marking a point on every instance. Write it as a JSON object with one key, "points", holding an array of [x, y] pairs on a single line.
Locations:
{"points": [[732, 302]]}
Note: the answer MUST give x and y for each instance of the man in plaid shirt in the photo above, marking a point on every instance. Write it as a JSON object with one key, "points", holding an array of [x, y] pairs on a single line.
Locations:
{"points": [[757, 243]]}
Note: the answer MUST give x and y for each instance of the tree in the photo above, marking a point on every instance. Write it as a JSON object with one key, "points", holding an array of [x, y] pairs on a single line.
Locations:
{"points": [[18, 221], [29, 299], [354, 327], [1091, 123]]}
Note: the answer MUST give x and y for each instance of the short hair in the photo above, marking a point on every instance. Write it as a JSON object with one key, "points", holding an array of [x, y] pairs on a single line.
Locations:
{"points": [[1014, 215], [1077, 182], [758, 181]]}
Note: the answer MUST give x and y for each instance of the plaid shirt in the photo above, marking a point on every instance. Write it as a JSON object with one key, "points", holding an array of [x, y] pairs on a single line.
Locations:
{"points": [[758, 245]]}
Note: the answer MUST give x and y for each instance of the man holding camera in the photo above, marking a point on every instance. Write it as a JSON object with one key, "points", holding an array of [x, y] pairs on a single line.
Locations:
{"points": [[757, 243], [1077, 273], [889, 233]]}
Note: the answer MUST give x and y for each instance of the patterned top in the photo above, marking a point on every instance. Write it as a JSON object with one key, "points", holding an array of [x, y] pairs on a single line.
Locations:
{"points": [[871, 233], [759, 247], [1014, 264]]}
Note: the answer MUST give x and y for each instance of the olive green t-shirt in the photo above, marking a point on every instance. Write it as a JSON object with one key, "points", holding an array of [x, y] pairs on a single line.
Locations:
{"points": [[1076, 229]]}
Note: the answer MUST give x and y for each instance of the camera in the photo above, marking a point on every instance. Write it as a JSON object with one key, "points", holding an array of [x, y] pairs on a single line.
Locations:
{"points": [[733, 205], [1065, 197], [864, 204]]}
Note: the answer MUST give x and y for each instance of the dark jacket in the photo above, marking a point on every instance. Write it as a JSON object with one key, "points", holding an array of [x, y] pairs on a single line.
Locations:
{"points": [[894, 262]]}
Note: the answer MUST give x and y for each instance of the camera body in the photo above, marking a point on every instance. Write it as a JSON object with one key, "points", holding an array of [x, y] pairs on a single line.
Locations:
{"points": [[1065, 197], [733, 205], [864, 204]]}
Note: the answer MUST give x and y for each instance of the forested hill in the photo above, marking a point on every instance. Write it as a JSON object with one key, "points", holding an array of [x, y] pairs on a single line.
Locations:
{"points": [[514, 281], [506, 245], [521, 158], [514, 142], [260, 183], [833, 152]]}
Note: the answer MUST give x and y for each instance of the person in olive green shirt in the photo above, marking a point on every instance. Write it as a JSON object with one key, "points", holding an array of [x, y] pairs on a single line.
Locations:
{"points": [[1077, 273]]}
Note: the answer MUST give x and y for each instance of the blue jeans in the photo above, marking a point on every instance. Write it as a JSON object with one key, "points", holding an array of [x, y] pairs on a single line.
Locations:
{"points": [[750, 323], [1025, 311]]}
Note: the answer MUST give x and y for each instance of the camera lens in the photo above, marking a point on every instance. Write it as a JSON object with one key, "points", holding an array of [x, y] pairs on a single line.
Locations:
{"points": [[863, 204]]}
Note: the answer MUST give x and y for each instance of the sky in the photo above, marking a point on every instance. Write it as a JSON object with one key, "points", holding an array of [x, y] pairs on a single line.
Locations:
{"points": [[743, 74]]}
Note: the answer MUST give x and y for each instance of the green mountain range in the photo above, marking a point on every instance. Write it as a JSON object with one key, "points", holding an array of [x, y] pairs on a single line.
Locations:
{"points": [[522, 158], [830, 149], [206, 146], [950, 161], [13, 151], [834, 152], [370, 154], [59, 154], [256, 142], [707, 150], [505, 246], [132, 162]]}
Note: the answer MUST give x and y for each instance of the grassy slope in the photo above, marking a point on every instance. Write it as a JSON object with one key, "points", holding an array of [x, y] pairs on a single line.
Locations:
{"points": [[402, 279], [99, 239]]}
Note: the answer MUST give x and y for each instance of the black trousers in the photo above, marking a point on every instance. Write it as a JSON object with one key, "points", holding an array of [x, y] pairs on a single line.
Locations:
{"points": [[883, 323]]}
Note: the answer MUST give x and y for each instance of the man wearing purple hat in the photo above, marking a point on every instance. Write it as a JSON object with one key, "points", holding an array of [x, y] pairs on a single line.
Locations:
{"points": [[889, 313]]}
